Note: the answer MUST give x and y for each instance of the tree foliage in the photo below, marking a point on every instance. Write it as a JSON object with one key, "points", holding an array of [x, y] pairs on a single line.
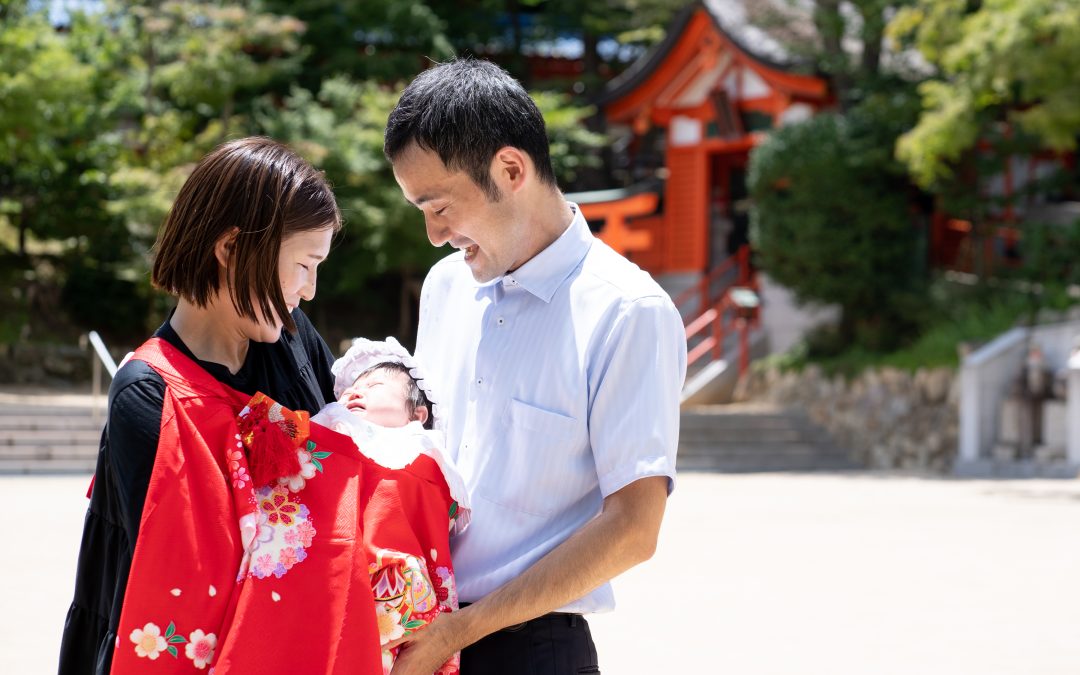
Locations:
{"points": [[102, 121], [832, 218], [46, 125], [997, 61], [844, 40], [832, 213]]}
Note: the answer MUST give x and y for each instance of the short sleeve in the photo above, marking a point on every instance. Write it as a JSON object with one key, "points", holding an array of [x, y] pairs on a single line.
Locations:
{"points": [[635, 389]]}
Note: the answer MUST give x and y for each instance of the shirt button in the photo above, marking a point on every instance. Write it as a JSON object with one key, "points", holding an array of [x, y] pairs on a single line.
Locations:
{"points": [[501, 321], [479, 380]]}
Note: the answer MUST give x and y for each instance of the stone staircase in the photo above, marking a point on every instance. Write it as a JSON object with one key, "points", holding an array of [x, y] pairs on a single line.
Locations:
{"points": [[59, 433], [49, 433], [751, 438]]}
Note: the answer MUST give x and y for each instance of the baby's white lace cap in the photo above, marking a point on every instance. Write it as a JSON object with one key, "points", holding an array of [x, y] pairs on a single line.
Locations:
{"points": [[364, 354]]}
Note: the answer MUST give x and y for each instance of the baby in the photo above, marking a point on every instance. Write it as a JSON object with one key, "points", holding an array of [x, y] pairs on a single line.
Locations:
{"points": [[416, 496], [385, 394]]}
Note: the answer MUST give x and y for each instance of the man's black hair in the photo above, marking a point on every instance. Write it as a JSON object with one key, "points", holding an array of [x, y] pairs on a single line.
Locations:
{"points": [[464, 111]]}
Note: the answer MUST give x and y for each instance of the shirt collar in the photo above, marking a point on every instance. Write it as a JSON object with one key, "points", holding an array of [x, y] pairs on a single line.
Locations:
{"points": [[547, 270]]}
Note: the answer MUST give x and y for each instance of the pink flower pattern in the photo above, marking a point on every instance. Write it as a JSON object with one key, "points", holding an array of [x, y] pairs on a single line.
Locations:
{"points": [[264, 566], [284, 531], [306, 532], [288, 557]]}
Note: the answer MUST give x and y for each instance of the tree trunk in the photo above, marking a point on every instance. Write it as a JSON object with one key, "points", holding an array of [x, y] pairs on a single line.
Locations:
{"points": [[22, 236], [151, 62], [591, 58], [517, 59], [830, 26], [873, 33]]}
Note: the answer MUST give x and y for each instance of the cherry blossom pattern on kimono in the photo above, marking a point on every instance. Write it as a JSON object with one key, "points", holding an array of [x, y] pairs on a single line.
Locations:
{"points": [[150, 643]]}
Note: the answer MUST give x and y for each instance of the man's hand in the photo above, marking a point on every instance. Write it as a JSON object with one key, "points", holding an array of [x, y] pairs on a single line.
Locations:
{"points": [[623, 535], [424, 652]]}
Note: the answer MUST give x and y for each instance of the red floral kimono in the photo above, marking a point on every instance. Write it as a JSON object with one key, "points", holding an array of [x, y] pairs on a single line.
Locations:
{"points": [[406, 522], [233, 577], [409, 509]]}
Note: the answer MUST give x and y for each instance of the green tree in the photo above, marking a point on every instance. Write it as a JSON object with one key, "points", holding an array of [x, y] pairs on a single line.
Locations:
{"points": [[383, 40], [102, 122], [998, 61], [833, 215], [193, 71], [845, 41], [55, 159], [48, 107], [633, 23], [832, 218]]}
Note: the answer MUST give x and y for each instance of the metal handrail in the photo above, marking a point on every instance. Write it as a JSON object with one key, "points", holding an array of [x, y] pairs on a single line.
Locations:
{"points": [[104, 358], [103, 353]]}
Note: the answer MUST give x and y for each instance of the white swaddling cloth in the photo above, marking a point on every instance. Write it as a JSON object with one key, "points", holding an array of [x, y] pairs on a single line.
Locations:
{"points": [[397, 447]]}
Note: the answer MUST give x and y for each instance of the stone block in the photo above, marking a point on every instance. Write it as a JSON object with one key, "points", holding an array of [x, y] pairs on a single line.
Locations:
{"points": [[1016, 423], [936, 384], [1049, 453], [1055, 417], [1060, 387], [1004, 452]]}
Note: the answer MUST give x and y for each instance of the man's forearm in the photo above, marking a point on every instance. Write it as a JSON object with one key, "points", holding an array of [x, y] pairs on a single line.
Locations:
{"points": [[622, 536]]}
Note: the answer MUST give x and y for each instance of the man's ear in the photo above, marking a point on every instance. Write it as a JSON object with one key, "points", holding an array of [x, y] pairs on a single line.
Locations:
{"points": [[223, 247], [511, 168], [421, 414]]}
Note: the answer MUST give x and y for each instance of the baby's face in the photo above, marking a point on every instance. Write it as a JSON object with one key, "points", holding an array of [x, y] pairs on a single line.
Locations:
{"points": [[379, 398]]}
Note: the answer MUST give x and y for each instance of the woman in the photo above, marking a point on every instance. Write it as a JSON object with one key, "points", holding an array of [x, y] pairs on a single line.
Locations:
{"points": [[240, 249]]}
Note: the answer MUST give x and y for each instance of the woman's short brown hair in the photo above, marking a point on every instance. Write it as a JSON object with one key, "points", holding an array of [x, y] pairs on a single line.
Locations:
{"points": [[265, 191]]}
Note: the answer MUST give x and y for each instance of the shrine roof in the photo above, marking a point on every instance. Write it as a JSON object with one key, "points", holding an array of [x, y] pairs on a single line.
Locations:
{"points": [[731, 21]]}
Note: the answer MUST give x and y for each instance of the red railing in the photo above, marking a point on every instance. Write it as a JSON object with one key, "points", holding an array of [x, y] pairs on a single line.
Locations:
{"points": [[723, 312], [703, 289]]}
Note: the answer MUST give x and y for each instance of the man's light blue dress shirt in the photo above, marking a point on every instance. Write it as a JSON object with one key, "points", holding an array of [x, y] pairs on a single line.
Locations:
{"points": [[560, 385]]}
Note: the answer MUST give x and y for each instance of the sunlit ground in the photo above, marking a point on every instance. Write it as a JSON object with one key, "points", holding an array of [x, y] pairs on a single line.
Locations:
{"points": [[755, 574]]}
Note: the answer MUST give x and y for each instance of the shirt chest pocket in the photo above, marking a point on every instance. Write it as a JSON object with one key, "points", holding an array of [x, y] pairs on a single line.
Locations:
{"points": [[537, 458]]}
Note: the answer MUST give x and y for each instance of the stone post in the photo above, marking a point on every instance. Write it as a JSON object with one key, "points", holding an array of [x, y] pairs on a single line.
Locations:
{"points": [[1072, 441]]}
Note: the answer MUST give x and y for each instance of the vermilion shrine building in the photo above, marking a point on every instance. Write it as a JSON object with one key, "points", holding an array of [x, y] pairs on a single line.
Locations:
{"points": [[697, 103], [704, 100], [694, 107]]}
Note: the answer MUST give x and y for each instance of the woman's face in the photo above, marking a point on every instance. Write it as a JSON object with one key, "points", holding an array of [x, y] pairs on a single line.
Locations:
{"points": [[298, 263]]}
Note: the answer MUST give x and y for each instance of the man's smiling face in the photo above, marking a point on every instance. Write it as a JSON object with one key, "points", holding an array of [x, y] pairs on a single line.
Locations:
{"points": [[457, 211]]}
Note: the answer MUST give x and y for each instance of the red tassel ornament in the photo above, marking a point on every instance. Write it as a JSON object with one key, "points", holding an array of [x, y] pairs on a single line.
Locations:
{"points": [[272, 435]]}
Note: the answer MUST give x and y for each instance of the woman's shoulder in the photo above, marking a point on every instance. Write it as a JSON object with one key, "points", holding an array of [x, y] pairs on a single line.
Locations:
{"points": [[136, 383]]}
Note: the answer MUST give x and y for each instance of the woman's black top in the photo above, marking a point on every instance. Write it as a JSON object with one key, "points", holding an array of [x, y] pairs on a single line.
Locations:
{"points": [[294, 371]]}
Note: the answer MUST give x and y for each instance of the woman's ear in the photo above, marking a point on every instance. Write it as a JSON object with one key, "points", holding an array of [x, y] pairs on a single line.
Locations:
{"points": [[421, 414], [223, 247]]}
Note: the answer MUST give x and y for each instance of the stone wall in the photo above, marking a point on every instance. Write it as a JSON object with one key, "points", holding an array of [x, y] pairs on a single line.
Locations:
{"points": [[45, 364], [885, 419]]}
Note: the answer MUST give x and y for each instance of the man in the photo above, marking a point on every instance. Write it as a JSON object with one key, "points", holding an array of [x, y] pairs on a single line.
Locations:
{"points": [[560, 363]]}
